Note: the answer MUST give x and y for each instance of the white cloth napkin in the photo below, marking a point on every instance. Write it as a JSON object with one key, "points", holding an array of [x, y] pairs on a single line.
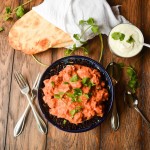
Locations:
{"points": [[66, 14]]}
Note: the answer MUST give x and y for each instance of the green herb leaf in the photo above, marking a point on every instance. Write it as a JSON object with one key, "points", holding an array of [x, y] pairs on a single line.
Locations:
{"points": [[86, 52], [20, 11], [7, 17], [130, 72], [90, 21], [61, 93], [66, 82], [68, 52], [83, 42], [73, 112], [74, 47], [53, 83], [118, 36], [64, 121], [95, 29], [130, 40], [90, 84], [74, 78], [87, 96], [8, 10], [81, 22], [57, 96], [75, 96], [76, 110], [1, 29], [121, 64], [72, 96], [85, 81], [77, 37], [133, 80], [77, 92]]}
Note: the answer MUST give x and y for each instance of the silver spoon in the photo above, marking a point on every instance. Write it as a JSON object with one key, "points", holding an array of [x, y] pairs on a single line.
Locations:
{"points": [[115, 73], [132, 102]]}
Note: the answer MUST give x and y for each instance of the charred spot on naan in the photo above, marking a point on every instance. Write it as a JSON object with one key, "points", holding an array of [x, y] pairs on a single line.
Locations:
{"points": [[44, 43]]}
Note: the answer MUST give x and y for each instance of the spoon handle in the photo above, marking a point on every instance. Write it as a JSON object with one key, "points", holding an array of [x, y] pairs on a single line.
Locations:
{"points": [[146, 121], [114, 117], [147, 45]]}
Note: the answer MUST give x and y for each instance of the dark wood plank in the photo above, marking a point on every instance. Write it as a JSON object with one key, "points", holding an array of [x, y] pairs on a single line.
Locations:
{"points": [[31, 138], [145, 86], [129, 134], [6, 62]]}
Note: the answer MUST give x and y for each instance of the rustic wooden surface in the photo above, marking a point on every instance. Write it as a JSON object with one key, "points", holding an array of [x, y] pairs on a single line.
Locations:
{"points": [[133, 133]]}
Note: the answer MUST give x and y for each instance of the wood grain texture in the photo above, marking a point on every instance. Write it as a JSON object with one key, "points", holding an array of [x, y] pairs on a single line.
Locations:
{"points": [[129, 134], [133, 133], [31, 138], [6, 63], [145, 84]]}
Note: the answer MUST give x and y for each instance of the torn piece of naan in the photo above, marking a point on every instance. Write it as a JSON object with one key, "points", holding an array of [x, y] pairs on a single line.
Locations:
{"points": [[33, 34]]}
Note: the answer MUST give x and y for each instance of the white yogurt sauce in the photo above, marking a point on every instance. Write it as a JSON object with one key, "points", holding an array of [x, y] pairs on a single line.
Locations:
{"points": [[123, 48]]}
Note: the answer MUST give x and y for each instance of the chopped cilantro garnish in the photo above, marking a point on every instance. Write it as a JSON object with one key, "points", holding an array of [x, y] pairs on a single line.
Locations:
{"points": [[64, 121], [74, 78], [77, 92], [66, 82], [130, 40], [87, 82], [76, 110], [1, 29], [53, 83], [59, 95], [75, 96], [118, 36], [87, 96]]}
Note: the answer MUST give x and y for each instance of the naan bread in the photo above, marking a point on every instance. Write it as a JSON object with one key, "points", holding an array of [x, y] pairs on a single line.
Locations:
{"points": [[33, 34]]}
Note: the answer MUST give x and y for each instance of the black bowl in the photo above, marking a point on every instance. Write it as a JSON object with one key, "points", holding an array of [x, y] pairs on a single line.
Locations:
{"points": [[55, 68]]}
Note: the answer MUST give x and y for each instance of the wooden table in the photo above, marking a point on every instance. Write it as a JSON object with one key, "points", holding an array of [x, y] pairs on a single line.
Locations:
{"points": [[133, 133]]}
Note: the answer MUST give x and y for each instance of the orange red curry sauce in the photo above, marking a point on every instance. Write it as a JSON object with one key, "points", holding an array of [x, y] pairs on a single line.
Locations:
{"points": [[76, 94]]}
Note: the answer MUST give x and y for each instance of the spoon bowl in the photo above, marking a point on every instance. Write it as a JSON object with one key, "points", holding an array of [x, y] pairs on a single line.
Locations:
{"points": [[115, 73], [132, 101]]}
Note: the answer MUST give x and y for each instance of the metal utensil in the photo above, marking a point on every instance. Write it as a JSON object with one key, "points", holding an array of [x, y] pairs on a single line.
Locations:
{"points": [[24, 88], [132, 102], [115, 72], [20, 124]]}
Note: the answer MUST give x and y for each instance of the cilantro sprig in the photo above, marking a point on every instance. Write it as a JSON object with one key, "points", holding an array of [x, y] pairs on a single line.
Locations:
{"points": [[133, 78], [9, 13], [91, 24]]}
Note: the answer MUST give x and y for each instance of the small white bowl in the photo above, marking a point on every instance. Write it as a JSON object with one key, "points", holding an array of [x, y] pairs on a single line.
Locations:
{"points": [[123, 48]]}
